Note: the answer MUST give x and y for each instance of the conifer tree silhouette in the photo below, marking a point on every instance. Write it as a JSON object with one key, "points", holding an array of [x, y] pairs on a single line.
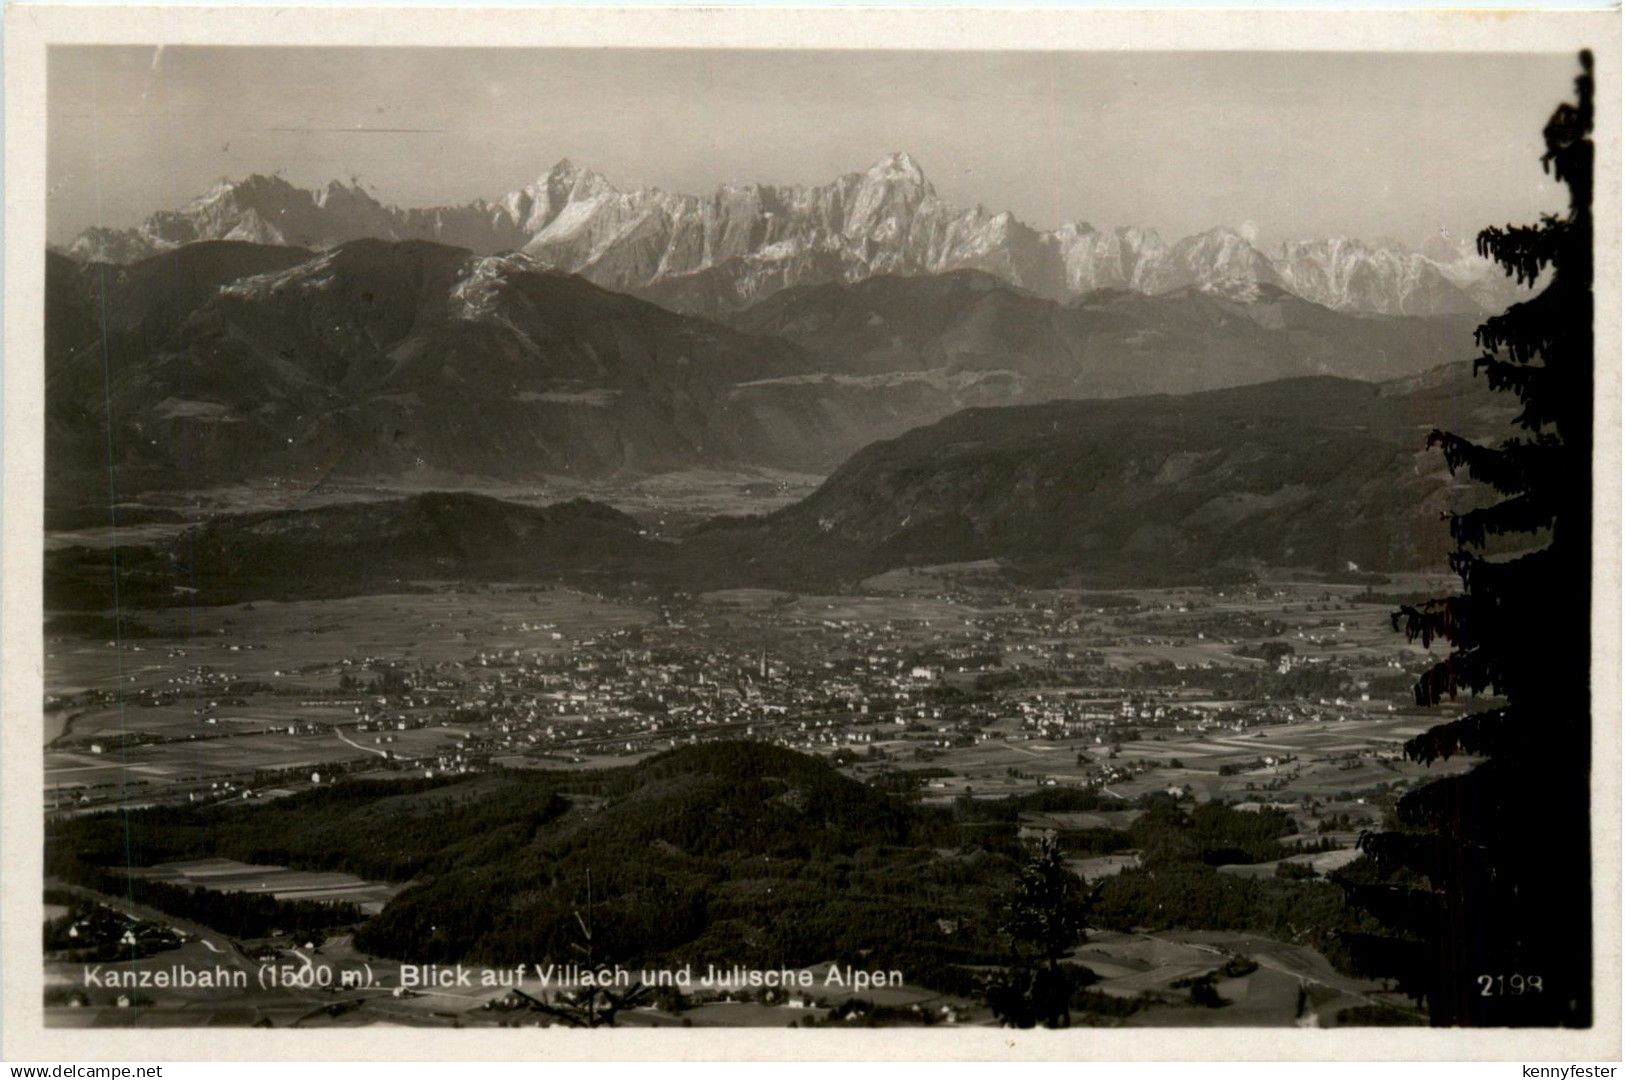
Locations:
{"points": [[1486, 881], [596, 1005], [1045, 921]]}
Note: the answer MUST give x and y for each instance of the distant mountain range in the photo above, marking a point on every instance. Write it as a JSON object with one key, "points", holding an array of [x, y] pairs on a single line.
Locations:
{"points": [[378, 358], [738, 245], [1107, 343], [226, 361]]}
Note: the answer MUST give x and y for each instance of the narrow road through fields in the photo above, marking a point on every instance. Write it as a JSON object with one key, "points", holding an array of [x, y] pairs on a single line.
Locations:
{"points": [[351, 742]]}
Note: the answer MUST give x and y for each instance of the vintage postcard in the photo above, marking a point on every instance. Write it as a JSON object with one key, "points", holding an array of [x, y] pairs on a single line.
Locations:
{"points": [[959, 534]]}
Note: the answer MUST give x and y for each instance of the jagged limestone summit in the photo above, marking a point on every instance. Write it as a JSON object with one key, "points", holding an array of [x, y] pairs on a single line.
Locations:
{"points": [[745, 241]]}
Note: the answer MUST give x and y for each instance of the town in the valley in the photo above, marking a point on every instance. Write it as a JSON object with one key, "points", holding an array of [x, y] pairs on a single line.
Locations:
{"points": [[1288, 691]]}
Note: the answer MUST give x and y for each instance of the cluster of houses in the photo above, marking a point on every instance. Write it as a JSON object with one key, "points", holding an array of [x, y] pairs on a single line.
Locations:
{"points": [[821, 681]]}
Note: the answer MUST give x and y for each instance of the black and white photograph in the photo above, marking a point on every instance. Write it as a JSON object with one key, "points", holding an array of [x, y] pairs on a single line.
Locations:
{"points": [[831, 538]]}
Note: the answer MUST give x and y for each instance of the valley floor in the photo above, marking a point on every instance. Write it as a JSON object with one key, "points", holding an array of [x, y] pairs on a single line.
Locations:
{"points": [[1288, 693]]}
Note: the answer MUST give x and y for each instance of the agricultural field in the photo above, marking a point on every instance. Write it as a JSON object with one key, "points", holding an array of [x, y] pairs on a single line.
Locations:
{"points": [[304, 641], [1288, 984], [229, 875], [664, 502], [1286, 694], [926, 611], [210, 694]]}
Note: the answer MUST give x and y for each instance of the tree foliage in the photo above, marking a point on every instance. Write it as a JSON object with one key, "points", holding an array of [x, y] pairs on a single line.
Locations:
{"points": [[598, 1004], [1487, 876], [1044, 922]]}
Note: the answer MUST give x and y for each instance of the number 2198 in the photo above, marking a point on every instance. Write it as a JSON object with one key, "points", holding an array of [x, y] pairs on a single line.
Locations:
{"points": [[1514, 985]]}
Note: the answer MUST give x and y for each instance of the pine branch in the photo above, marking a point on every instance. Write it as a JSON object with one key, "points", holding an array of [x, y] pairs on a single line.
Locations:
{"points": [[1527, 513], [1525, 251], [1414, 912], [1532, 383], [1526, 331], [1502, 577], [1569, 153], [1433, 620], [1508, 467], [1427, 854], [1471, 670], [1480, 733], [1482, 808]]}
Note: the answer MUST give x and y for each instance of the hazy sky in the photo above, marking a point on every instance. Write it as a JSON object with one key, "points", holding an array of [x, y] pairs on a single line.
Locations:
{"points": [[1300, 144]]}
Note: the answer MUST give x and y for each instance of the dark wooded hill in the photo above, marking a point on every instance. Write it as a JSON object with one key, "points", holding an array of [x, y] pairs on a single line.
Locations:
{"points": [[1317, 472], [222, 363], [381, 358]]}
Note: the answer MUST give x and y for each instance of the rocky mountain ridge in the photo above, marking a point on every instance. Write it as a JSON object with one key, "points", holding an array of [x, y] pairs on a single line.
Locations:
{"points": [[720, 252], [222, 361]]}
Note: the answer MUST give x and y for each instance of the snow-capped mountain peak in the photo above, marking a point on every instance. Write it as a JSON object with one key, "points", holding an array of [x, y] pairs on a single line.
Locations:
{"points": [[744, 241], [899, 167]]}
